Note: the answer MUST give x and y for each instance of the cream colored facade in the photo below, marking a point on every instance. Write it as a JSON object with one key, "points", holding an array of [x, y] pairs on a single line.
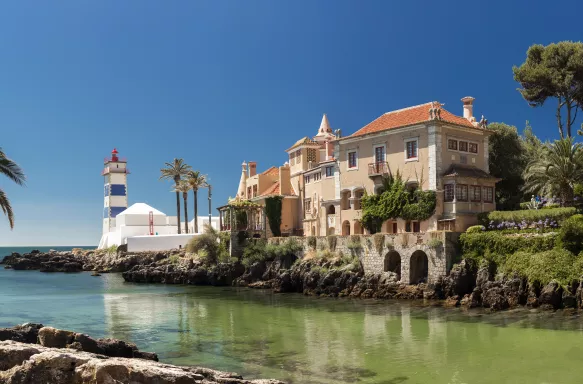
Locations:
{"points": [[327, 175]]}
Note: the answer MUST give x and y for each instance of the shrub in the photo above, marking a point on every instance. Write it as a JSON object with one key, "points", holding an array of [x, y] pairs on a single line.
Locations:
{"points": [[476, 229], [210, 243], [355, 238], [571, 234], [521, 219], [434, 243], [174, 259], [492, 245], [543, 267], [261, 251], [312, 242], [354, 246], [332, 242]]}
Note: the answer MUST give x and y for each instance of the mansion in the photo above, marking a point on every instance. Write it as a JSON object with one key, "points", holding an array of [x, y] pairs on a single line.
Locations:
{"points": [[326, 175]]}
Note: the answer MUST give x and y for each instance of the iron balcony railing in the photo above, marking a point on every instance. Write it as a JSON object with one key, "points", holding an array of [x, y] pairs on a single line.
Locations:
{"points": [[379, 168]]}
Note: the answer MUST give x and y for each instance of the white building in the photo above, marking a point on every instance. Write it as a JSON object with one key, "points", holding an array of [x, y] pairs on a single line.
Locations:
{"points": [[141, 227]]}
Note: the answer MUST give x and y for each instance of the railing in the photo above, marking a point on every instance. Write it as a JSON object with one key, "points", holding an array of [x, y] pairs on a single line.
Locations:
{"points": [[380, 168], [116, 160], [107, 170]]}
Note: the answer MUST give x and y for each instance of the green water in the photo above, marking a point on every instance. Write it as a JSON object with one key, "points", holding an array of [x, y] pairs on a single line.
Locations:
{"points": [[299, 339]]}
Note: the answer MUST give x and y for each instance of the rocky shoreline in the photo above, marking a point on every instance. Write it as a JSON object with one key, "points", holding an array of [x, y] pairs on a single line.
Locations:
{"points": [[32, 354], [468, 285]]}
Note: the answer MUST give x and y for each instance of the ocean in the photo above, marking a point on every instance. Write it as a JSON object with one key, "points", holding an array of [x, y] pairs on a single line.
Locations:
{"points": [[5, 251]]}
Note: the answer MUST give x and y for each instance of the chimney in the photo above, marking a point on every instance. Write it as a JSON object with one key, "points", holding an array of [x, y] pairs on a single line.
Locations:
{"points": [[284, 180], [252, 168], [469, 108]]}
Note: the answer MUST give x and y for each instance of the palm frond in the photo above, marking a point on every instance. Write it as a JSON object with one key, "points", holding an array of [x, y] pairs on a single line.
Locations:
{"points": [[11, 170], [174, 170], [196, 180], [6, 208]]}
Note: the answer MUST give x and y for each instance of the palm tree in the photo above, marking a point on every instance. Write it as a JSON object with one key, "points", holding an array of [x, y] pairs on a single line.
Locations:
{"points": [[174, 171], [557, 170], [11, 170], [196, 181], [184, 187]]}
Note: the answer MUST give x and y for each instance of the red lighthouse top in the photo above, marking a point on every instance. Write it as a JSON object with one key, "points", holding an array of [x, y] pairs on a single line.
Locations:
{"points": [[114, 155], [114, 151]]}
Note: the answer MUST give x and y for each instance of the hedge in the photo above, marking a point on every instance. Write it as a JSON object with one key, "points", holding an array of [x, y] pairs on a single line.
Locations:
{"points": [[495, 246], [543, 267], [530, 216]]}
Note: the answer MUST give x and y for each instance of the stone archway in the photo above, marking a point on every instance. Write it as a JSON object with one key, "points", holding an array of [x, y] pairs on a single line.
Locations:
{"points": [[358, 228], [393, 263], [418, 267], [331, 210], [346, 228]]}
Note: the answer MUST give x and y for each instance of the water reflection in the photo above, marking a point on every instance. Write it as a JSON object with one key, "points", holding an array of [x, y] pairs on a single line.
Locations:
{"points": [[306, 340]]}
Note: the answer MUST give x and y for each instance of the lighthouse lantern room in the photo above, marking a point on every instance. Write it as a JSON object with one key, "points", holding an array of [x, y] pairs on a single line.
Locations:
{"points": [[115, 201]]}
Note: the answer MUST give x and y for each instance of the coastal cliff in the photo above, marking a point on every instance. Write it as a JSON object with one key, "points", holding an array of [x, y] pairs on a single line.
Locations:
{"points": [[32, 354]]}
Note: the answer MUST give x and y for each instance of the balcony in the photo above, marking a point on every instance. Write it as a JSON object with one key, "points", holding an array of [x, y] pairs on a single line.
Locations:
{"points": [[108, 170], [114, 160], [378, 169]]}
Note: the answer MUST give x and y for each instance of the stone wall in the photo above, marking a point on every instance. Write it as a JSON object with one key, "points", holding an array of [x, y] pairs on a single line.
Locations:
{"points": [[414, 256]]}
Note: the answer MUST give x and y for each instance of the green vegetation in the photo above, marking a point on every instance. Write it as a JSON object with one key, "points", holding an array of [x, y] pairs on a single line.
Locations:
{"points": [[112, 249], [530, 216], [312, 241], [259, 250], [396, 201], [554, 71], [209, 247], [435, 243], [571, 234], [273, 212], [476, 229], [555, 264], [11, 170], [332, 240]]}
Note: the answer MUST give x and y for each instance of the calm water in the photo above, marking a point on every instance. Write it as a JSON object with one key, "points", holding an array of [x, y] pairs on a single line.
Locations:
{"points": [[299, 339]]}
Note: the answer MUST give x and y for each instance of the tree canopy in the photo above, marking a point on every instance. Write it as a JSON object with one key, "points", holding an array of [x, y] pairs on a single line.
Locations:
{"points": [[554, 71]]}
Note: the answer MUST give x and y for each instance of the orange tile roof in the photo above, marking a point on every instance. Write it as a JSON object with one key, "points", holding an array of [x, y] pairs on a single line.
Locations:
{"points": [[409, 116], [274, 190], [303, 141], [273, 171]]}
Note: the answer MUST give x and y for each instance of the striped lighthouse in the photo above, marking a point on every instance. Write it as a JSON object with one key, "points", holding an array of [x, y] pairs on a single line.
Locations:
{"points": [[115, 200]]}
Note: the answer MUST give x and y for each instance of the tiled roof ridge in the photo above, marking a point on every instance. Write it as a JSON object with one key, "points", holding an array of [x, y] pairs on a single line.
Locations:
{"points": [[411, 107]]}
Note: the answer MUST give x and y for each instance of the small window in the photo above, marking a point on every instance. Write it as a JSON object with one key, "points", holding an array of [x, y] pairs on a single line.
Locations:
{"points": [[473, 147], [463, 146], [352, 159], [416, 226], [317, 176], [463, 159], [307, 179], [411, 149], [255, 191], [311, 155], [461, 192], [329, 171], [308, 205], [488, 194], [452, 144], [448, 192], [475, 193]]}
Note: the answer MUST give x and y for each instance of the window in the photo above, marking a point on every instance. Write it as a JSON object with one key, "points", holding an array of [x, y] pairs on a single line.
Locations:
{"points": [[317, 176], [452, 144], [411, 149], [292, 158], [461, 192], [463, 146], [416, 226], [307, 179], [311, 155], [448, 192], [255, 191], [329, 171], [249, 192], [352, 159], [473, 148], [307, 205], [488, 194], [463, 159], [379, 154], [476, 193]]}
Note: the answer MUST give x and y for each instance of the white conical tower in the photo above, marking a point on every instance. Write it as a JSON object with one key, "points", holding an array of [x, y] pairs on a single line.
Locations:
{"points": [[325, 132], [115, 201], [243, 181]]}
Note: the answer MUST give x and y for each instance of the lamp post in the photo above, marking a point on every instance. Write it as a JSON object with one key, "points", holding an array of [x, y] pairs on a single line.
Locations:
{"points": [[210, 213]]}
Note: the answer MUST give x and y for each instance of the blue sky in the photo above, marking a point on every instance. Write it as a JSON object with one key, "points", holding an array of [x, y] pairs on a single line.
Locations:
{"points": [[209, 80]]}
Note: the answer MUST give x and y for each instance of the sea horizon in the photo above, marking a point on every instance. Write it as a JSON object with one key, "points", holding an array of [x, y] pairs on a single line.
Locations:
{"points": [[7, 250]]}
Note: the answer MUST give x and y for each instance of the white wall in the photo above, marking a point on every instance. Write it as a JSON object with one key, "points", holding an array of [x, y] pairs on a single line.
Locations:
{"points": [[157, 243], [139, 220], [202, 221]]}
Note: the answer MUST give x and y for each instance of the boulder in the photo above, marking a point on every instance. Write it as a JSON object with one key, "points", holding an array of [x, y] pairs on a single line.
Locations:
{"points": [[55, 338], [25, 333], [551, 296], [462, 279]]}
